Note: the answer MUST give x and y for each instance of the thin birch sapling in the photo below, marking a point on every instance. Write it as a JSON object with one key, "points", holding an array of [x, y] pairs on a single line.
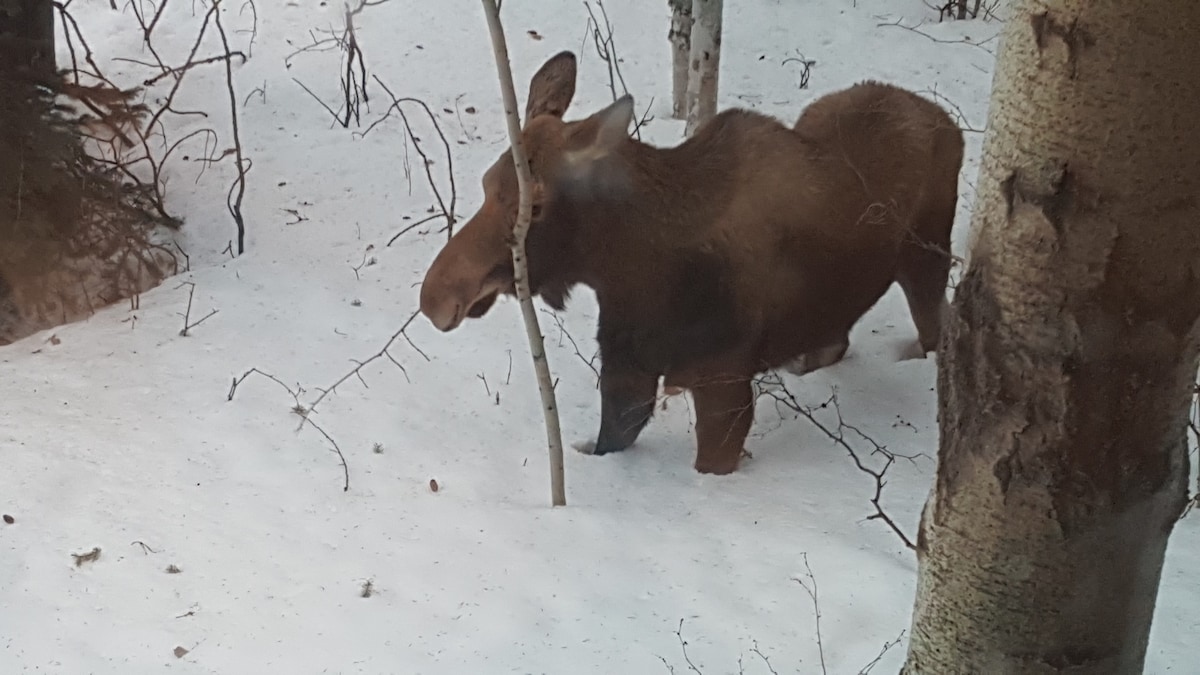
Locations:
{"points": [[705, 55], [680, 37], [517, 243]]}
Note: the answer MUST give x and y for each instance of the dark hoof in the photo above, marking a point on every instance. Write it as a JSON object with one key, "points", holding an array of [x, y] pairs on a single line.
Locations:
{"points": [[606, 447], [594, 448]]}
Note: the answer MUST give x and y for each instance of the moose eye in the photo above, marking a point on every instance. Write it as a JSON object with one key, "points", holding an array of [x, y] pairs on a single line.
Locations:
{"points": [[537, 211]]}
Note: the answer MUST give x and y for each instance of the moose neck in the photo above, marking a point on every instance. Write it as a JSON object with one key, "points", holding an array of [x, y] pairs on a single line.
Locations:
{"points": [[665, 197]]}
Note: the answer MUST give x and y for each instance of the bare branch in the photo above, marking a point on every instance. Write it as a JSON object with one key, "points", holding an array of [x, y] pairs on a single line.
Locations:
{"points": [[297, 409], [187, 323], [589, 362], [879, 657], [187, 66], [806, 66], [757, 652], [771, 385], [447, 210], [960, 117], [898, 23], [606, 49], [237, 191], [362, 364], [413, 226], [683, 647], [811, 588]]}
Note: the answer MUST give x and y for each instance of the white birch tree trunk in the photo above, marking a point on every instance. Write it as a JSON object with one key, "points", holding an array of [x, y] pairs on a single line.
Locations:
{"points": [[1070, 351], [537, 347], [705, 63], [680, 37]]}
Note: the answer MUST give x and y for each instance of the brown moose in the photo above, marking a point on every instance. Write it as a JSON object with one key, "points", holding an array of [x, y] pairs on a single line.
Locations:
{"points": [[750, 246]]}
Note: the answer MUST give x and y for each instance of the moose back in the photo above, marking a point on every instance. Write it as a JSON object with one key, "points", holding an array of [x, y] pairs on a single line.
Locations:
{"points": [[750, 246]]}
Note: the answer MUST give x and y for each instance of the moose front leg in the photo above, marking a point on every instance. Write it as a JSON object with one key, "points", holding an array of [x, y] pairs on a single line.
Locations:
{"points": [[724, 413], [626, 403]]}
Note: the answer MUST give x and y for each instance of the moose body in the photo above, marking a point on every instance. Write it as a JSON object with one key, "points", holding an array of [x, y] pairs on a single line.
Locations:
{"points": [[748, 247]]}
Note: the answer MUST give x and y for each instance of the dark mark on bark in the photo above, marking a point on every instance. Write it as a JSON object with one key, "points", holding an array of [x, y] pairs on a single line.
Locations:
{"points": [[1008, 189], [1054, 203], [1003, 472], [1074, 37]]}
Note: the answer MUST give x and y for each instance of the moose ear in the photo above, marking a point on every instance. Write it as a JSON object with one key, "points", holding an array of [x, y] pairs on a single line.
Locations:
{"points": [[552, 87], [612, 123], [588, 171]]}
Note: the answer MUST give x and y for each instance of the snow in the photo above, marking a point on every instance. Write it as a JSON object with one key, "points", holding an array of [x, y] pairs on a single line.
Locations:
{"points": [[118, 430]]}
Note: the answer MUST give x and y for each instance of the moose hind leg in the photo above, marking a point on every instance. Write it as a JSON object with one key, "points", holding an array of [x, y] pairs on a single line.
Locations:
{"points": [[626, 404], [923, 271], [724, 413]]}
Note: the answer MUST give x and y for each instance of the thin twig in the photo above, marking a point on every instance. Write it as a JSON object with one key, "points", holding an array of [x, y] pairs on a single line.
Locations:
{"points": [[188, 325], [447, 209], [898, 23], [960, 116], [683, 647], [589, 362], [237, 191], [299, 410], [413, 226], [355, 372], [772, 385], [879, 657], [811, 587], [757, 652], [606, 50], [188, 66]]}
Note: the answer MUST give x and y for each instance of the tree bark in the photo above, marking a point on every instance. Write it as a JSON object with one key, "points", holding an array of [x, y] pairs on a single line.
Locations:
{"points": [[1070, 352], [537, 346], [27, 36], [680, 37], [705, 63]]}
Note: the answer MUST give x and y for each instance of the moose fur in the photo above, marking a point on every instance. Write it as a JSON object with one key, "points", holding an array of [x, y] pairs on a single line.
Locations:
{"points": [[750, 246]]}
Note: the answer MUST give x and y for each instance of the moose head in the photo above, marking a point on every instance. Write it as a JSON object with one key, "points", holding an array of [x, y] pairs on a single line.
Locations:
{"points": [[569, 161]]}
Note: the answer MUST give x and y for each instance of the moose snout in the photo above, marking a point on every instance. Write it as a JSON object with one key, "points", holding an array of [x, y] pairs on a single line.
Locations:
{"points": [[465, 276], [443, 309]]}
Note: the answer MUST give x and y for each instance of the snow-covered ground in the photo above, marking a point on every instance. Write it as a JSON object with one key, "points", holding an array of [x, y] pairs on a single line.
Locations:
{"points": [[116, 432]]}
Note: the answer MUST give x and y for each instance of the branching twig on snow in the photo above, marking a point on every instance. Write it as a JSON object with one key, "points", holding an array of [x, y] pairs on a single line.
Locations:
{"points": [[806, 66], [606, 49], [763, 657], [899, 23], [353, 77], [811, 588], [589, 362], [299, 410], [686, 658], [533, 332], [960, 117], [866, 670], [447, 210], [771, 385], [237, 191], [957, 9], [187, 314], [151, 138], [359, 365]]}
